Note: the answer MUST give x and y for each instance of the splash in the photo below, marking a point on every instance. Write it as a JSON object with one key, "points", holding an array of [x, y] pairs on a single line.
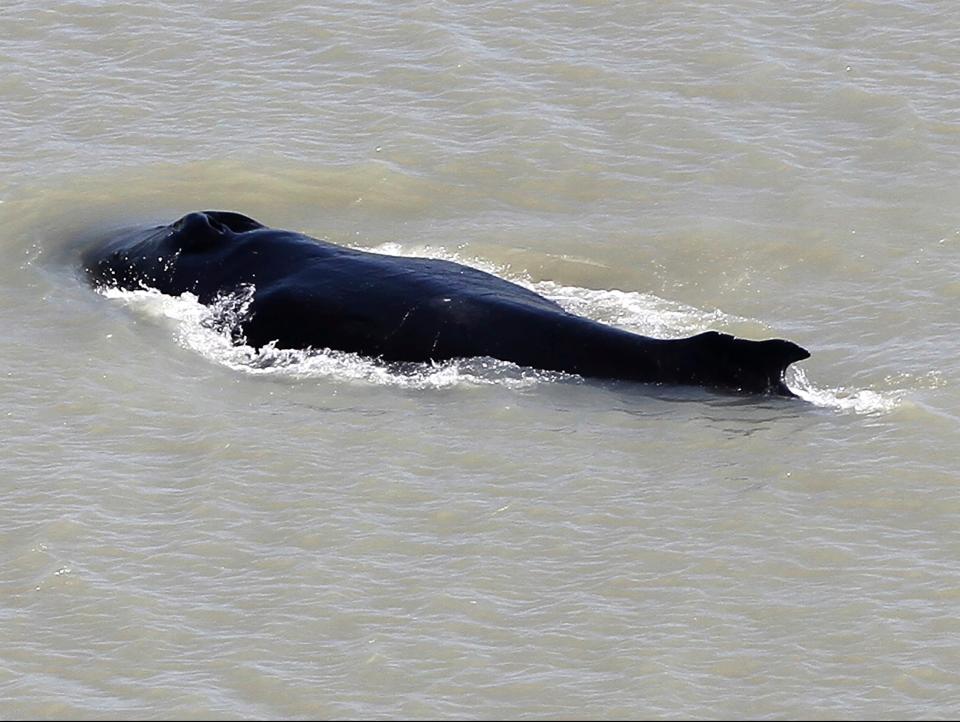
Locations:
{"points": [[857, 401], [211, 331], [641, 313]]}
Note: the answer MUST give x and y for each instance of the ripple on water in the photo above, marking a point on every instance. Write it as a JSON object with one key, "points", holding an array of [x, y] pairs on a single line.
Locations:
{"points": [[206, 330]]}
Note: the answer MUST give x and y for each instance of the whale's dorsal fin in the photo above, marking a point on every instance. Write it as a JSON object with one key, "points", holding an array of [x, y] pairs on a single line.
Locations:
{"points": [[236, 222]]}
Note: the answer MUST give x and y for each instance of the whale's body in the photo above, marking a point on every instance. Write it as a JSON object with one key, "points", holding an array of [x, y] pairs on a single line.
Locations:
{"points": [[314, 294]]}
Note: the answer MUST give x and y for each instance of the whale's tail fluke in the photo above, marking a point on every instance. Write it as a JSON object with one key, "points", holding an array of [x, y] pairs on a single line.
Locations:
{"points": [[724, 361]]}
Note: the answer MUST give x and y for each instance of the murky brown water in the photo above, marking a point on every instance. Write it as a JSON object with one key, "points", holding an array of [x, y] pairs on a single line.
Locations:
{"points": [[192, 531]]}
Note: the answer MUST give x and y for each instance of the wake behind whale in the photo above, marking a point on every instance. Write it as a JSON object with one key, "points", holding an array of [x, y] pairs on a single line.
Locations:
{"points": [[307, 293]]}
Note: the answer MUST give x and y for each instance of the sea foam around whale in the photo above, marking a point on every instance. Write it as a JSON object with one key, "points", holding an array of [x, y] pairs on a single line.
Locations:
{"points": [[207, 330]]}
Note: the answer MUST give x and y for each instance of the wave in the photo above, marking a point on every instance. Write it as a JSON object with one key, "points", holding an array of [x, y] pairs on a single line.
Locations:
{"points": [[858, 401], [210, 331]]}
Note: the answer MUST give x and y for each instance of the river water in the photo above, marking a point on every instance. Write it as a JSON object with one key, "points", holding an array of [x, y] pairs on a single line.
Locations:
{"points": [[190, 529]]}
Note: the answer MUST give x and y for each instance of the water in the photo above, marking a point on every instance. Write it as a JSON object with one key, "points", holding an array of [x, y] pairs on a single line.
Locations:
{"points": [[195, 530]]}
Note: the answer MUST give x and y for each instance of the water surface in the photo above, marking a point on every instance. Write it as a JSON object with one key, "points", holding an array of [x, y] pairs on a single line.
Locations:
{"points": [[194, 530]]}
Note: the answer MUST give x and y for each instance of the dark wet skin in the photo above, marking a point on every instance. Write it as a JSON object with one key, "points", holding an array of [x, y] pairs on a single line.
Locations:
{"points": [[314, 294]]}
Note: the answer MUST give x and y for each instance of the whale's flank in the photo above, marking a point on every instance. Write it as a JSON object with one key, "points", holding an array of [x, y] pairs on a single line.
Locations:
{"points": [[309, 293]]}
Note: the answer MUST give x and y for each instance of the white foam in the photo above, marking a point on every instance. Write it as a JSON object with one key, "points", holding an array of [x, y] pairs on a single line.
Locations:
{"points": [[638, 312], [858, 401], [207, 330]]}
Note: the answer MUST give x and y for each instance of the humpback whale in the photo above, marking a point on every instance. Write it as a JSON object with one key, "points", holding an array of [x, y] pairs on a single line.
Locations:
{"points": [[309, 293]]}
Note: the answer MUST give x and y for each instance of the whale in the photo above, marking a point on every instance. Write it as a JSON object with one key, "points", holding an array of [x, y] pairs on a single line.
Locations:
{"points": [[307, 293]]}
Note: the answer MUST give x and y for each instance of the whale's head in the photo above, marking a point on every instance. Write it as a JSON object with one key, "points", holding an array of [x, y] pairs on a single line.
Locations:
{"points": [[152, 257]]}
